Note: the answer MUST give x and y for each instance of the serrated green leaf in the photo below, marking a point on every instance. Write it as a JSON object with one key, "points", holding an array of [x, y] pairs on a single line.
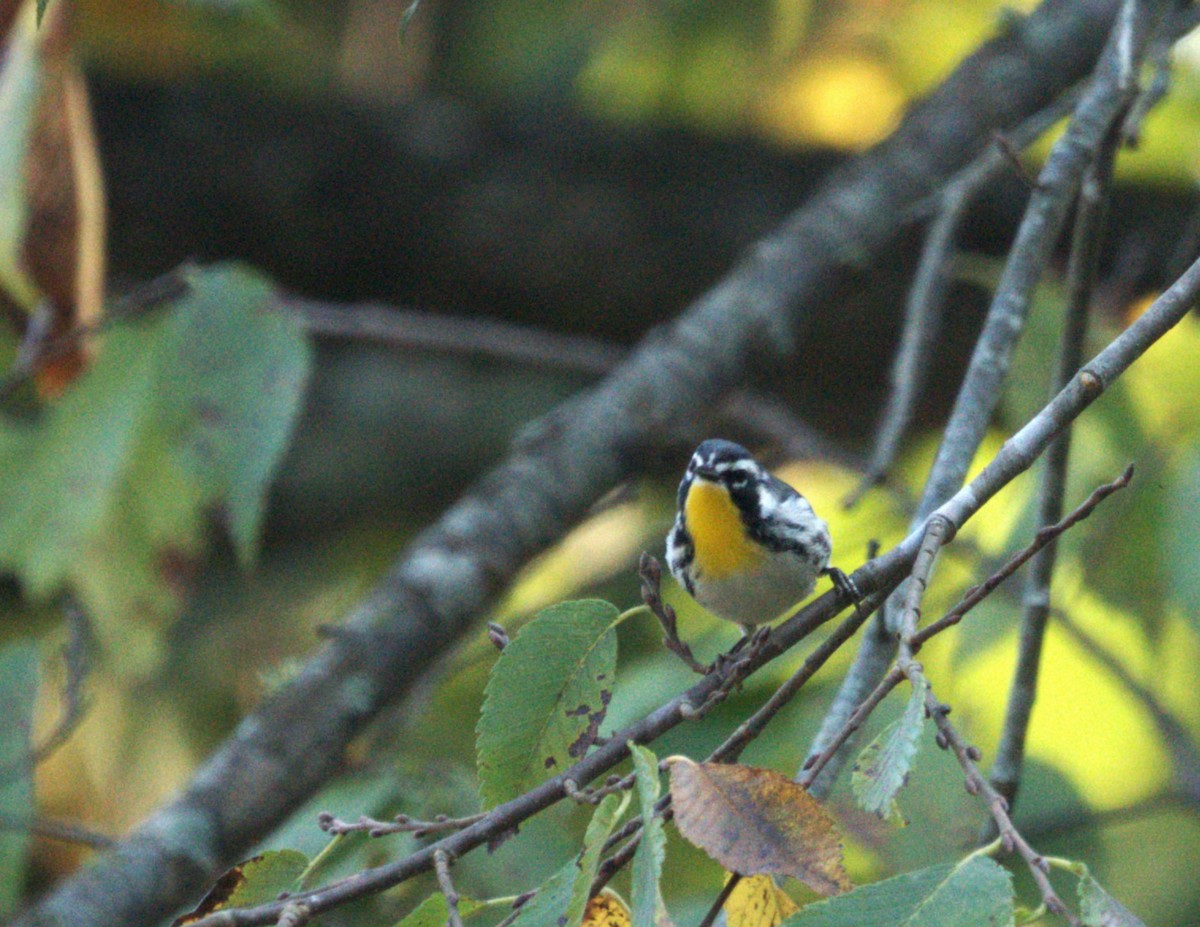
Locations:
{"points": [[434, 912], [1097, 908], [648, 908], [546, 698], [20, 86], [562, 899], [974, 893], [255, 881], [883, 766], [183, 414], [18, 692]]}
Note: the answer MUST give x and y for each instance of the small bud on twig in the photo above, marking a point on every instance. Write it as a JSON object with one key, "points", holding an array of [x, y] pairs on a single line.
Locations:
{"points": [[497, 635]]}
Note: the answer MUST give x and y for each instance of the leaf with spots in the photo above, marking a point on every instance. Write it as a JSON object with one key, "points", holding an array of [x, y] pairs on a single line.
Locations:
{"points": [[757, 901], [757, 822], [975, 893], [546, 698], [649, 910], [562, 899], [882, 768], [256, 881]]}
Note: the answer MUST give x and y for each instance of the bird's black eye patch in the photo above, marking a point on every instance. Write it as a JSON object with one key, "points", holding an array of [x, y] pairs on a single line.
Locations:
{"points": [[737, 478]]}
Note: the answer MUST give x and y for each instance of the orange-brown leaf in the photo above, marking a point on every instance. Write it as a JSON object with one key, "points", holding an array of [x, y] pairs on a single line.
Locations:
{"points": [[757, 821]]}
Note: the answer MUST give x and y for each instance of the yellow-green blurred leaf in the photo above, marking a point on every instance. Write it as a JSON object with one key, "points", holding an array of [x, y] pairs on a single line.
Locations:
{"points": [[757, 901]]}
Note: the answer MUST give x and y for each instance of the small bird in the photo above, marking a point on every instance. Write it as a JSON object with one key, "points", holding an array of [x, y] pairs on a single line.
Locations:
{"points": [[745, 544]]}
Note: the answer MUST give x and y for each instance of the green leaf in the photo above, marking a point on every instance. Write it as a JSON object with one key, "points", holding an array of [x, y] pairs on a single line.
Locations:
{"points": [[434, 912], [648, 906], [975, 893], [1097, 908], [256, 881], [882, 768], [20, 86], [562, 899], [184, 414], [18, 692], [546, 698]]}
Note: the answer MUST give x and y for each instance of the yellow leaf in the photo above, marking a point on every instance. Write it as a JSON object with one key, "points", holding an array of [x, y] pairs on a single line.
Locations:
{"points": [[607, 910], [757, 821], [757, 902]]}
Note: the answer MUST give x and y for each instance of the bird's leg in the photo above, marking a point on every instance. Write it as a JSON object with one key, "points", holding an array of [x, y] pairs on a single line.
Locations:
{"points": [[847, 592]]}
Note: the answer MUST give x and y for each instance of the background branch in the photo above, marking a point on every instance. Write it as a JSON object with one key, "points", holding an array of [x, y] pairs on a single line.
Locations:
{"points": [[1081, 276]]}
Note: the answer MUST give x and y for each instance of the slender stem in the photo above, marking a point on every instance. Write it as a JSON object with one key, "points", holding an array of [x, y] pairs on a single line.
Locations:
{"points": [[1044, 536], [931, 284], [441, 866], [1090, 220], [719, 902], [978, 785]]}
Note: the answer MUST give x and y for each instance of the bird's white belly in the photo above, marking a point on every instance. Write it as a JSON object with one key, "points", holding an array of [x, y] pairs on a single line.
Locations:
{"points": [[760, 595]]}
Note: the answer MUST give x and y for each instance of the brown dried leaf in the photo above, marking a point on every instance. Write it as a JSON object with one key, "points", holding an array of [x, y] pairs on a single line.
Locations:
{"points": [[757, 821]]}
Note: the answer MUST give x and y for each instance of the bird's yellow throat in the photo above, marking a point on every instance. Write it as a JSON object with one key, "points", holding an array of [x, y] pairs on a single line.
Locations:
{"points": [[715, 525]]}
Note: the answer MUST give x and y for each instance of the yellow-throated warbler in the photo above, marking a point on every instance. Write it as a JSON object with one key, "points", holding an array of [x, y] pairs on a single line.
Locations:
{"points": [[745, 544]]}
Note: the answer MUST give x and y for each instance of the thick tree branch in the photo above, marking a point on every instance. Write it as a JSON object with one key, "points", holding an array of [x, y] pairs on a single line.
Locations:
{"points": [[293, 743]]}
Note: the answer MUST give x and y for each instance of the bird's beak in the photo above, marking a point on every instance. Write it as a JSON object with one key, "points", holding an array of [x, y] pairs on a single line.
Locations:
{"points": [[706, 473]]}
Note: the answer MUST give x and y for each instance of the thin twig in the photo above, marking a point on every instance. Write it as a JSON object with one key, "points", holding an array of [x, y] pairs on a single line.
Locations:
{"points": [[719, 902], [400, 824], [57, 829], [1090, 220], [931, 284], [967, 756], [74, 700], [148, 296], [432, 331], [441, 867], [1044, 536], [651, 575]]}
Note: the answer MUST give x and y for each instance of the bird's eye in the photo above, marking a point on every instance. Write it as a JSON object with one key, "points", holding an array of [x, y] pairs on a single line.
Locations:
{"points": [[738, 479]]}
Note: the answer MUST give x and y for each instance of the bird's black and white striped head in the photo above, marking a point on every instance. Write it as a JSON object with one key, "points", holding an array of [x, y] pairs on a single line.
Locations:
{"points": [[731, 466]]}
